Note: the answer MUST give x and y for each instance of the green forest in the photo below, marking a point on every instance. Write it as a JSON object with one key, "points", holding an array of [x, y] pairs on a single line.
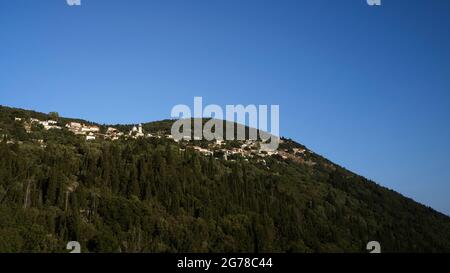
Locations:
{"points": [[157, 195]]}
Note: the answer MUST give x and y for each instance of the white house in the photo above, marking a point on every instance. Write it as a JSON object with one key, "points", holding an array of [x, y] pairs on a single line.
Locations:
{"points": [[74, 126], [140, 132], [90, 129], [49, 124], [111, 131], [90, 136], [202, 150], [43, 123], [137, 131]]}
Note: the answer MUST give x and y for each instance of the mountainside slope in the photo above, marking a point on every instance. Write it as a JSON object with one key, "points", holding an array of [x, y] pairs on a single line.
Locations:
{"points": [[152, 194]]}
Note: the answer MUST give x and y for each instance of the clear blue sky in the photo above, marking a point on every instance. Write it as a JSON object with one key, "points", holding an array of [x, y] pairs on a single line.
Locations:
{"points": [[367, 87]]}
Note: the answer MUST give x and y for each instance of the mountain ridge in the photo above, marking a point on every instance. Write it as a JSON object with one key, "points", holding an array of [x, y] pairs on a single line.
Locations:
{"points": [[164, 126], [330, 210]]}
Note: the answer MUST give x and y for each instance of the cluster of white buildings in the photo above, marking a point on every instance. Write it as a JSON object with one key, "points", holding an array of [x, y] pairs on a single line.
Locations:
{"points": [[248, 148], [202, 150], [136, 132], [113, 133], [90, 131], [298, 151], [48, 124]]}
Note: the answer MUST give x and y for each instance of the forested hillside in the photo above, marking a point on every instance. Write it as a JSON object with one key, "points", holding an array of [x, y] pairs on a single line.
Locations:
{"points": [[157, 195]]}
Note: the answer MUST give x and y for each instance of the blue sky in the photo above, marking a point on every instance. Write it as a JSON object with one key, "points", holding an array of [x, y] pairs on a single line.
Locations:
{"points": [[367, 87]]}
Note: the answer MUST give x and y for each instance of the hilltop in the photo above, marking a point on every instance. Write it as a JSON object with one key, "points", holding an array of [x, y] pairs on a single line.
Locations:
{"points": [[131, 188]]}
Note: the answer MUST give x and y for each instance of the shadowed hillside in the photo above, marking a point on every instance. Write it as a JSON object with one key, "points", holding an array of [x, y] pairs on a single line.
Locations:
{"points": [[153, 194]]}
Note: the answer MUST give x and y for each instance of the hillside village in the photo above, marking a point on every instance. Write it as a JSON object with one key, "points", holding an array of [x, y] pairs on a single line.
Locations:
{"points": [[62, 176], [219, 148]]}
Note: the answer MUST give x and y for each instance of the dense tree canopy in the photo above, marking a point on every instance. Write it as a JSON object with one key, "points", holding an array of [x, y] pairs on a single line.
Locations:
{"points": [[148, 195]]}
